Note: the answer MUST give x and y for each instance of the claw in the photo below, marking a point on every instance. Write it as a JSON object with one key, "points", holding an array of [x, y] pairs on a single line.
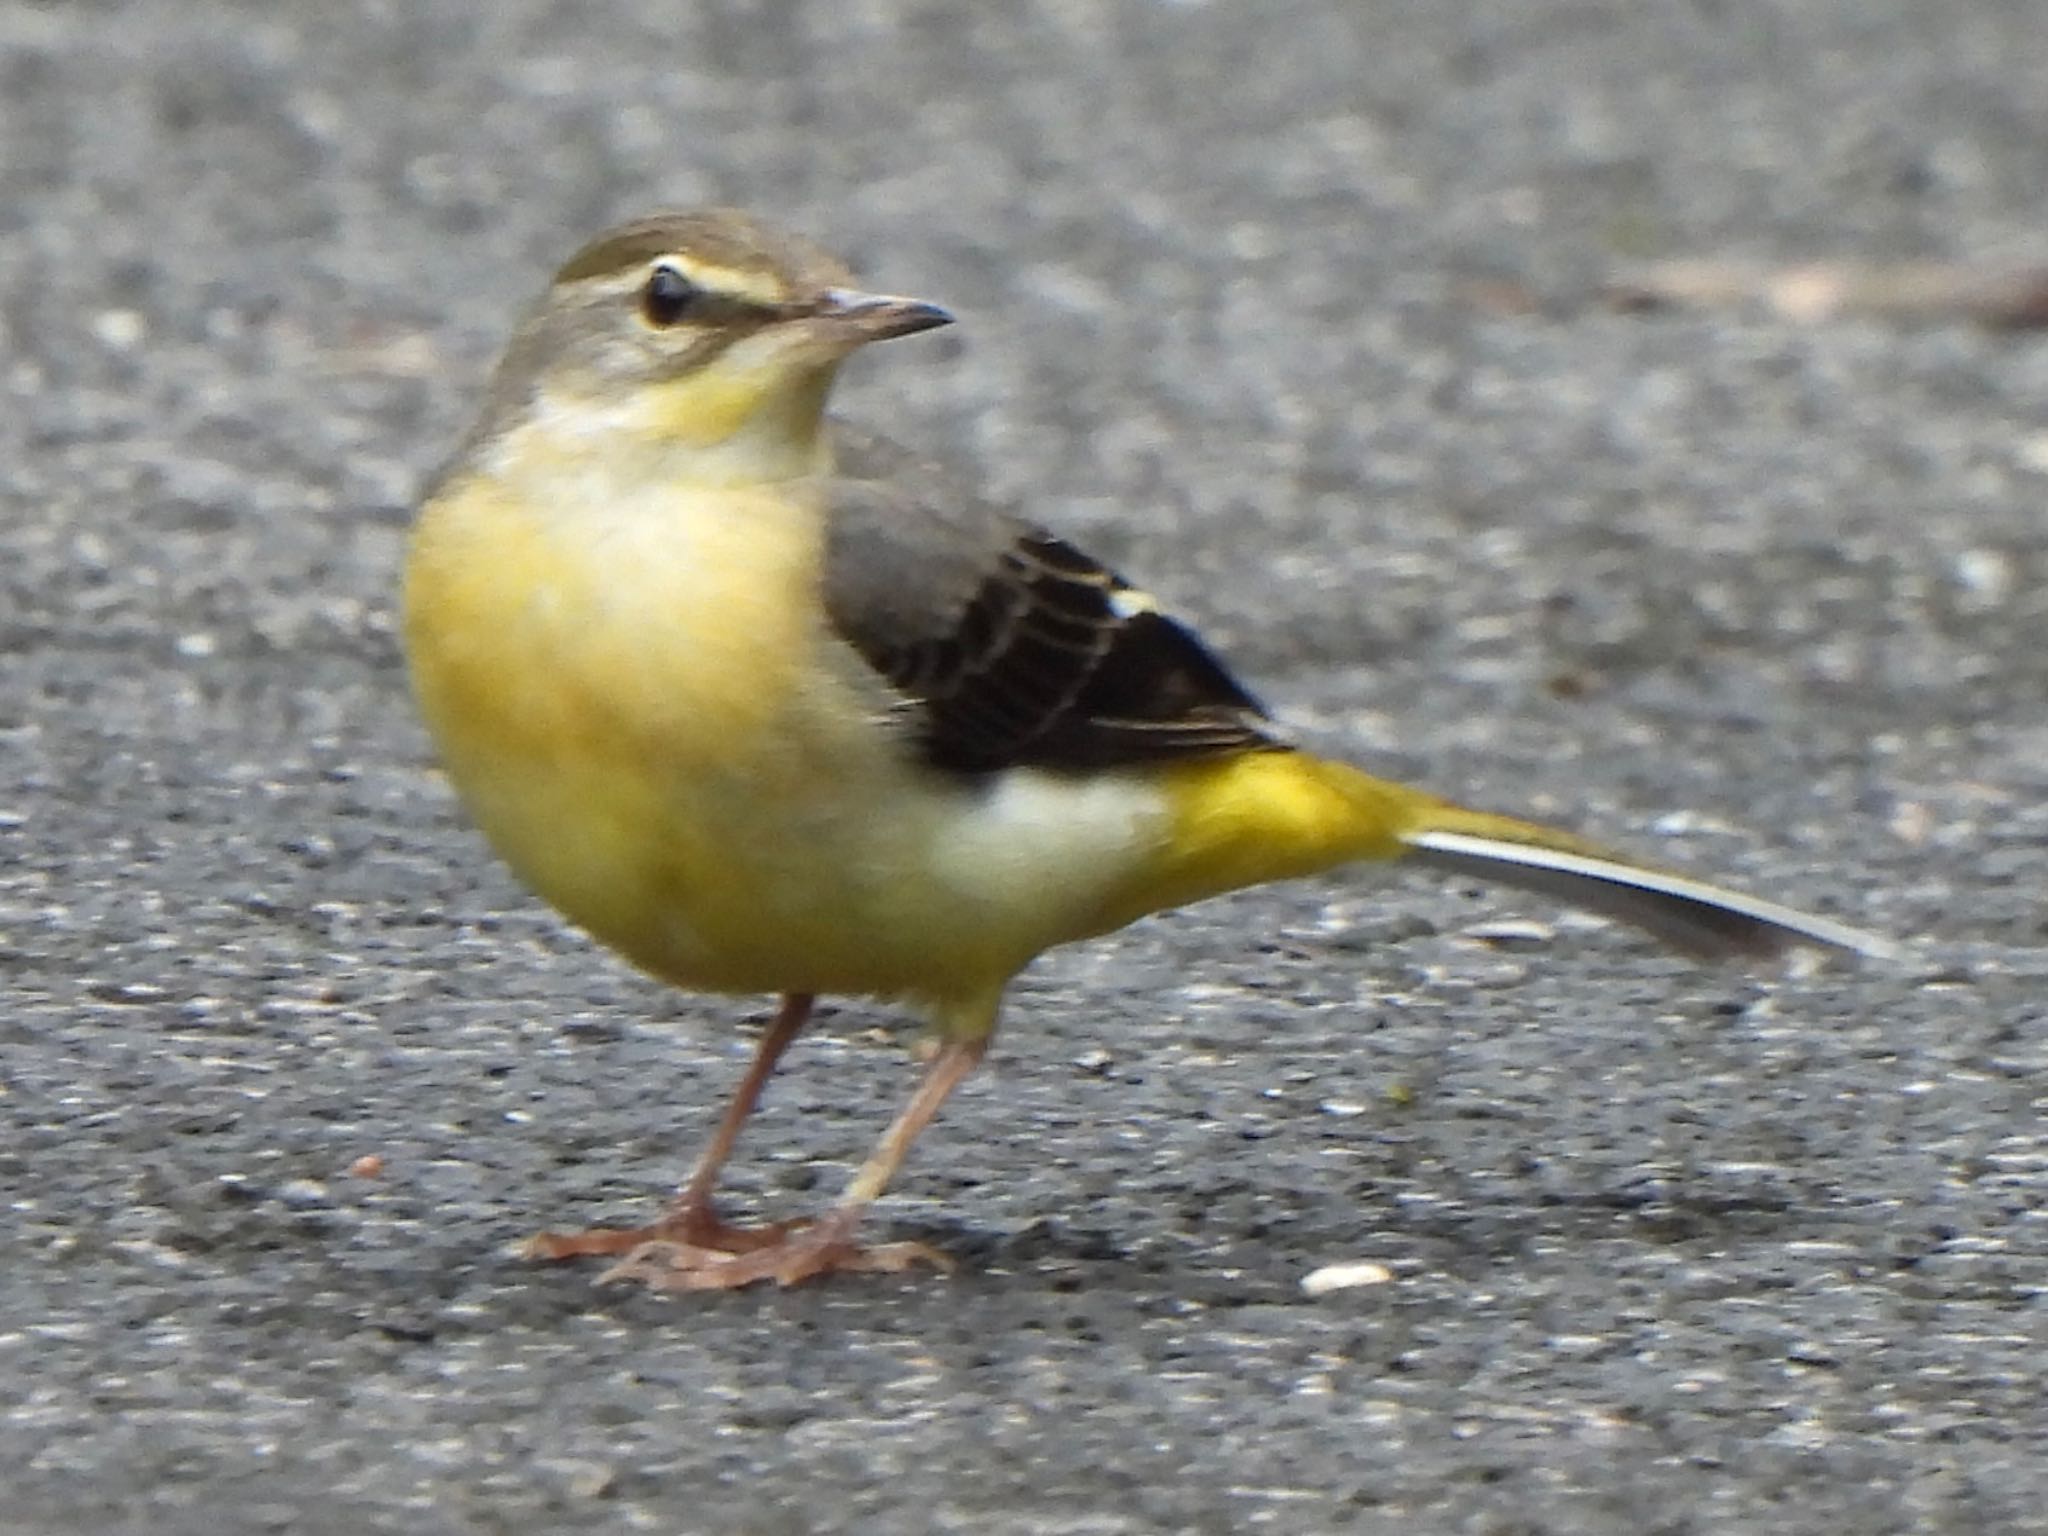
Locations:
{"points": [[676, 1266], [689, 1225]]}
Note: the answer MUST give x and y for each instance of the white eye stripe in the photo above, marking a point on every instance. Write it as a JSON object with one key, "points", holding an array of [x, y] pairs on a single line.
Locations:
{"points": [[732, 285]]}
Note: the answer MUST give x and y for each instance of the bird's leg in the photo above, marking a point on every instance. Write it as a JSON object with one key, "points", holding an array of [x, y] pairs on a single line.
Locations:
{"points": [[826, 1245], [692, 1220]]}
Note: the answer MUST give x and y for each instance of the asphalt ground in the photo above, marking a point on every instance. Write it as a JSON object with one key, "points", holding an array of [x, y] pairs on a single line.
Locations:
{"points": [[1292, 310]]}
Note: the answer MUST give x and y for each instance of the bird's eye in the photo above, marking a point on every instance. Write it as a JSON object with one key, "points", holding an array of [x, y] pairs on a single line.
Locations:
{"points": [[668, 296]]}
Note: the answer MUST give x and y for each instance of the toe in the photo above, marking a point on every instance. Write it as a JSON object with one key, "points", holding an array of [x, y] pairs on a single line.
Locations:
{"points": [[594, 1242], [674, 1266]]}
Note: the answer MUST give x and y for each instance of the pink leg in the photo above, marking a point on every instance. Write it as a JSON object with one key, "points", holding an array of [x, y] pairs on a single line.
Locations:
{"points": [[693, 1219], [826, 1246]]}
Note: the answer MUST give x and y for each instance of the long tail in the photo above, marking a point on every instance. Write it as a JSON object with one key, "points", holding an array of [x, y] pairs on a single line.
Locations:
{"points": [[1268, 816], [1689, 915]]}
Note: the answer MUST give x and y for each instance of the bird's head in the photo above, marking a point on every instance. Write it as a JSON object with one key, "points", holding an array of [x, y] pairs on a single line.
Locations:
{"points": [[705, 330]]}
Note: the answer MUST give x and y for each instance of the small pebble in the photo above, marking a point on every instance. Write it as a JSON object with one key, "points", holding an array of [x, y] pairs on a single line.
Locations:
{"points": [[1345, 1277], [1511, 931]]}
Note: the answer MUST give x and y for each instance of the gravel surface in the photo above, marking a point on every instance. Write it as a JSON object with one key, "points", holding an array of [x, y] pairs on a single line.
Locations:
{"points": [[1290, 309]]}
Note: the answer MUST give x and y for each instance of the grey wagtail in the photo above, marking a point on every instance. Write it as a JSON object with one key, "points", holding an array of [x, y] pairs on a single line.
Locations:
{"points": [[770, 709]]}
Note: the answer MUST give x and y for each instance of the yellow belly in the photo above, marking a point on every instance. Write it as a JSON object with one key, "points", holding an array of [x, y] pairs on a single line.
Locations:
{"points": [[643, 711]]}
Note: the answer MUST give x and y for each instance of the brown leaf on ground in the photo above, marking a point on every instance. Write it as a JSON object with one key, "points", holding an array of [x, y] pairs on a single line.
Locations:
{"points": [[1937, 292]]}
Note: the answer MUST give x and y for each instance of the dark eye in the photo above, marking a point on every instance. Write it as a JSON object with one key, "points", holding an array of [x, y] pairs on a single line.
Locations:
{"points": [[667, 297]]}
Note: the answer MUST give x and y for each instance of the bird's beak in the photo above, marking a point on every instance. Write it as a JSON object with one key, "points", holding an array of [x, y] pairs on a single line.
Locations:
{"points": [[879, 316]]}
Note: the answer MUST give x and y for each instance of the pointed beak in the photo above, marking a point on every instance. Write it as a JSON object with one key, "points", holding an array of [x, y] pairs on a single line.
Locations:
{"points": [[879, 316]]}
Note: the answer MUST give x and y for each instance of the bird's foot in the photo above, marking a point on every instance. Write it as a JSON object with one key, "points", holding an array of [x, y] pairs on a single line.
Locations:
{"points": [[826, 1247], [691, 1224]]}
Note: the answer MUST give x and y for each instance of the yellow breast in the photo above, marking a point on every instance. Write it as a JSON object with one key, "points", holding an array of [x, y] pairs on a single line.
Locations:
{"points": [[599, 679], [639, 703]]}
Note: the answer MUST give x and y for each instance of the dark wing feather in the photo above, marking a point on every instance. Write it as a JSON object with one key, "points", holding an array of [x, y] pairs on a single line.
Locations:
{"points": [[1009, 646]]}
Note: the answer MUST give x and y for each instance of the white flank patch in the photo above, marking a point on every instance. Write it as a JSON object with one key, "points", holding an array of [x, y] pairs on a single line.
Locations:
{"points": [[1038, 842]]}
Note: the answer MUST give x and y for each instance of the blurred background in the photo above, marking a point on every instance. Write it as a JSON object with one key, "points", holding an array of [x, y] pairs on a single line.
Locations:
{"points": [[1631, 414]]}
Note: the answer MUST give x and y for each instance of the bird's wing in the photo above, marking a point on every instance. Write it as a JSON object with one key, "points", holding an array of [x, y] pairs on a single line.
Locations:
{"points": [[1006, 646]]}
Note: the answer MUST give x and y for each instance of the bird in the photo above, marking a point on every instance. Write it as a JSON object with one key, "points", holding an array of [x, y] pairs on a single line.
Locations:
{"points": [[771, 706]]}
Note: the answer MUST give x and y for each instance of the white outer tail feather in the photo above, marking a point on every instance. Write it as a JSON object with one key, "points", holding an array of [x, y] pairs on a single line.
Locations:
{"points": [[1690, 915]]}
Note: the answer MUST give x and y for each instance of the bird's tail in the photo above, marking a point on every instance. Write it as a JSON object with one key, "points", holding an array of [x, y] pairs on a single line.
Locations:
{"points": [[1690, 915], [1268, 816]]}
